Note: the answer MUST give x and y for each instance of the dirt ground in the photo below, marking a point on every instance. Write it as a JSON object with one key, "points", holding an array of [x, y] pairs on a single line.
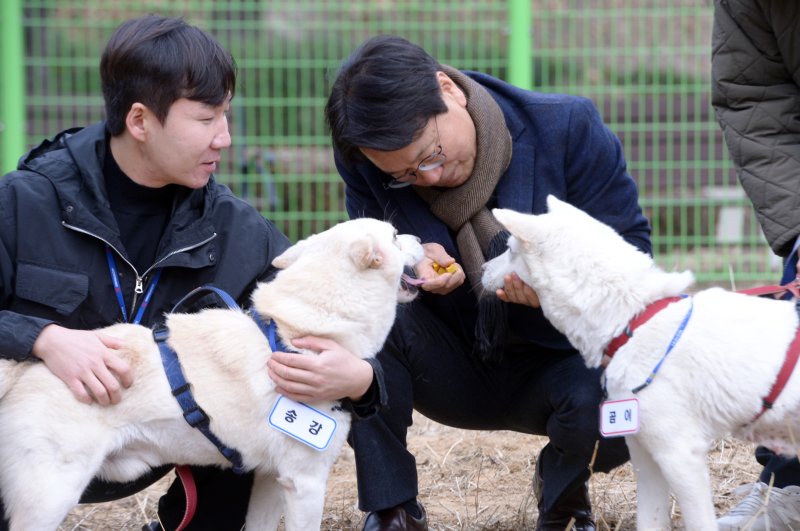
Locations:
{"points": [[468, 481]]}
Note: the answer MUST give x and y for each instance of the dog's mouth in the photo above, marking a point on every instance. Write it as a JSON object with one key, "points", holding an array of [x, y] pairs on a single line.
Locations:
{"points": [[409, 282]]}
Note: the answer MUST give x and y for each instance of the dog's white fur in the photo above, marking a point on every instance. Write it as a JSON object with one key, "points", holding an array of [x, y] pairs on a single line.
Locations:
{"points": [[591, 283], [343, 284]]}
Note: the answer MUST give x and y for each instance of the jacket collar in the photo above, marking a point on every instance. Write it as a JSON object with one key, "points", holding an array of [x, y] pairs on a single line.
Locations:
{"points": [[84, 201]]}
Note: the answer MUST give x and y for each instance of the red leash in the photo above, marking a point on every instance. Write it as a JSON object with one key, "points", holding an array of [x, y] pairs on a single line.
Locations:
{"points": [[190, 491], [775, 290], [792, 354]]}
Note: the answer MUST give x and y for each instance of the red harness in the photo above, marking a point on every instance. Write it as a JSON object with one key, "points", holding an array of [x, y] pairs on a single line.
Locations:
{"points": [[792, 353], [636, 322]]}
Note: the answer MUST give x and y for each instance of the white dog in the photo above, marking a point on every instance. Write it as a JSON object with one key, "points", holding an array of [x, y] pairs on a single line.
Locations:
{"points": [[341, 284], [709, 358]]}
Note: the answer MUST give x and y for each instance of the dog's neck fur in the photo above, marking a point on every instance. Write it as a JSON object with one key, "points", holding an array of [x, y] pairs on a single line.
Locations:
{"points": [[361, 330], [591, 324], [589, 280]]}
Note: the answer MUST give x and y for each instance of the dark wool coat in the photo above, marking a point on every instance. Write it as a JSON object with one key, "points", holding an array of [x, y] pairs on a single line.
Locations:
{"points": [[560, 147]]}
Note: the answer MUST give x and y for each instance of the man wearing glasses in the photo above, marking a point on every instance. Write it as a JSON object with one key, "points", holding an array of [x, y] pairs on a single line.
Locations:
{"points": [[433, 149]]}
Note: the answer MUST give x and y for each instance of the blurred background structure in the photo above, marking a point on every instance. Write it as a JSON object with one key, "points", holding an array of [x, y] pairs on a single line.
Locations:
{"points": [[645, 64]]}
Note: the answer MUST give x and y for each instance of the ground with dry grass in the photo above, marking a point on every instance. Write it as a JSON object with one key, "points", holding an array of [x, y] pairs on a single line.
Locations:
{"points": [[468, 480]]}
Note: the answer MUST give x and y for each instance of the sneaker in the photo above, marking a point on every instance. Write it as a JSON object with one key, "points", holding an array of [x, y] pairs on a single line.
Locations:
{"points": [[765, 509]]}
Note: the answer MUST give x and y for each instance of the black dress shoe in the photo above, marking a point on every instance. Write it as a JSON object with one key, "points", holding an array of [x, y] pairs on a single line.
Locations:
{"points": [[396, 519], [573, 509], [152, 526]]}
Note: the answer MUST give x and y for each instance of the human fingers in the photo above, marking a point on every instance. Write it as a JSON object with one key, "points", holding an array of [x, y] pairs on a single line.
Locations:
{"points": [[516, 291], [434, 251], [120, 368], [111, 342], [315, 343], [79, 390], [109, 390], [285, 369], [447, 280]]}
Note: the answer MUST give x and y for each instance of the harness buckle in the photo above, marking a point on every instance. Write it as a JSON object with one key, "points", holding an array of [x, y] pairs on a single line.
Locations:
{"points": [[160, 334], [196, 417]]}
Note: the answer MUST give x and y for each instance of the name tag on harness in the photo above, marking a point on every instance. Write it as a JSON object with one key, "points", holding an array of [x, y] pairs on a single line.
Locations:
{"points": [[302, 422], [619, 417]]}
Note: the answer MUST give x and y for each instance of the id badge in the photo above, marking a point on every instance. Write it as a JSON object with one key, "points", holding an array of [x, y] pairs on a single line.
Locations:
{"points": [[302, 422], [619, 417]]}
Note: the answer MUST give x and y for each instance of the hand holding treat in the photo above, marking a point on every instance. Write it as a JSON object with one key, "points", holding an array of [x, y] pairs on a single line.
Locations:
{"points": [[452, 268]]}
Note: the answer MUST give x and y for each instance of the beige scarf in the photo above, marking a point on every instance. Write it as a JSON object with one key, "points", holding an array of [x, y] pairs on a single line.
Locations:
{"points": [[479, 235]]}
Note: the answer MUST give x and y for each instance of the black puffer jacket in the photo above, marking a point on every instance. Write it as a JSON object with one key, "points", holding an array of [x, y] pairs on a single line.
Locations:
{"points": [[756, 95], [55, 223]]}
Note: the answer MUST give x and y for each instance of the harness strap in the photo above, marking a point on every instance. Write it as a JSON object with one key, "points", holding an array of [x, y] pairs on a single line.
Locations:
{"points": [[269, 330], [181, 390], [789, 362], [785, 373], [638, 320]]}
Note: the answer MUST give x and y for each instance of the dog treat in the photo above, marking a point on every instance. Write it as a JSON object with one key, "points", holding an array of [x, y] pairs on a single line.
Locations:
{"points": [[452, 268]]}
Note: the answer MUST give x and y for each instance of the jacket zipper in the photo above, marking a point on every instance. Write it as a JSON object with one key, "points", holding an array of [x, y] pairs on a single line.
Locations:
{"points": [[139, 288]]}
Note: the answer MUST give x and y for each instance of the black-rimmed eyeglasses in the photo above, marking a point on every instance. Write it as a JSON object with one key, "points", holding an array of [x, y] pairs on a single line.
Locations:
{"points": [[431, 162]]}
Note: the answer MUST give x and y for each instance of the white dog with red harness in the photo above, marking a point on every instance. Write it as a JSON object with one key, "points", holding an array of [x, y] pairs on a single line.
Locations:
{"points": [[343, 284], [686, 369]]}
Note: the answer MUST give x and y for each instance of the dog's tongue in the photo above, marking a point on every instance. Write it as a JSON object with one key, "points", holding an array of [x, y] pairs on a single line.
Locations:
{"points": [[411, 281]]}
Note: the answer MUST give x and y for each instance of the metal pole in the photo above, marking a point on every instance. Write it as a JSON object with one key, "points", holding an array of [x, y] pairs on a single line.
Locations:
{"points": [[12, 85], [520, 44]]}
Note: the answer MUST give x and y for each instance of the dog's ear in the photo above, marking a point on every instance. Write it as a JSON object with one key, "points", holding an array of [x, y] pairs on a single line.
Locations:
{"points": [[366, 253], [515, 222], [289, 256], [554, 203]]}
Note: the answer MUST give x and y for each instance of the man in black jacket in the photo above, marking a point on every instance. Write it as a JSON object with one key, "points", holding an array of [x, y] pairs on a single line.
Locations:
{"points": [[117, 221]]}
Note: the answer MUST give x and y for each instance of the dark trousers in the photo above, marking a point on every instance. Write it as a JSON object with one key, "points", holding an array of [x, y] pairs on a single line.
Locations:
{"points": [[533, 390], [222, 498], [786, 470]]}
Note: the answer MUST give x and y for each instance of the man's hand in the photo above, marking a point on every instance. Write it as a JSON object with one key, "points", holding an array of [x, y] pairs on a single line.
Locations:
{"points": [[333, 374], [86, 362], [516, 291], [439, 283]]}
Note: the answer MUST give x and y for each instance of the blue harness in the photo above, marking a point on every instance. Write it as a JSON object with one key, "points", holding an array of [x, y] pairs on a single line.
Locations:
{"points": [[181, 389]]}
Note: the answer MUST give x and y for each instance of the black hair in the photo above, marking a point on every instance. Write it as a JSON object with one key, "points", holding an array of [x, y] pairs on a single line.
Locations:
{"points": [[384, 95], [157, 60]]}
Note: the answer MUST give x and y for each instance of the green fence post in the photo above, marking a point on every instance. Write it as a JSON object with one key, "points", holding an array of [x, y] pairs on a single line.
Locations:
{"points": [[12, 85], [520, 65]]}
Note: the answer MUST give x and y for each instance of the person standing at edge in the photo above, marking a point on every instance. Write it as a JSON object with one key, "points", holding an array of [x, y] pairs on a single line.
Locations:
{"points": [[434, 149], [131, 201], [755, 70]]}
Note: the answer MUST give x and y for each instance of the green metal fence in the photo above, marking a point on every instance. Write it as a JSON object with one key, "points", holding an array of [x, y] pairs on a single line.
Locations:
{"points": [[644, 62]]}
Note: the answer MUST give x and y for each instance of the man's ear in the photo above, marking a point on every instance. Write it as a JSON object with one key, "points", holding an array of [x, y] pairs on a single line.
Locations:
{"points": [[135, 121], [449, 87]]}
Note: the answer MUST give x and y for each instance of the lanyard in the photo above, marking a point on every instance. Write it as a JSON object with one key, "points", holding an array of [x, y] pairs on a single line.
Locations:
{"points": [[112, 268]]}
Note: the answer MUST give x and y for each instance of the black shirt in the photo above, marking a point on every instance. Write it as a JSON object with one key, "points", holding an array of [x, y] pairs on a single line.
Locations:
{"points": [[142, 213]]}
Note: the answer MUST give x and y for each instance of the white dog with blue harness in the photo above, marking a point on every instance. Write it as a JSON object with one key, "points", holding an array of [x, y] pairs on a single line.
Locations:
{"points": [[221, 408]]}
